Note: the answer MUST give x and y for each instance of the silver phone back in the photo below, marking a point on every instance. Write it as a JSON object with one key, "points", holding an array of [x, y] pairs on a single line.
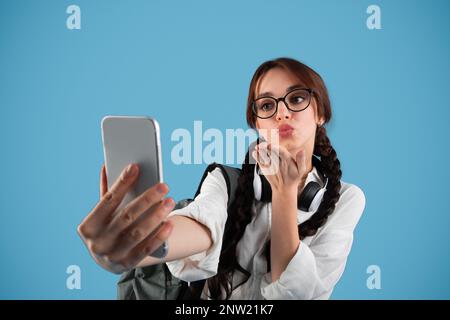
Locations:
{"points": [[128, 140], [133, 139]]}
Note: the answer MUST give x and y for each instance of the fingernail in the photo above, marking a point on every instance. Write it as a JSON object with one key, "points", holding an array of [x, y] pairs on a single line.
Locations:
{"points": [[168, 203], [161, 188], [130, 170]]}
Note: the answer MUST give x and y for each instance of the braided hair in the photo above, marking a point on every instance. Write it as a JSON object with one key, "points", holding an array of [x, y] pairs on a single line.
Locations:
{"points": [[241, 210]]}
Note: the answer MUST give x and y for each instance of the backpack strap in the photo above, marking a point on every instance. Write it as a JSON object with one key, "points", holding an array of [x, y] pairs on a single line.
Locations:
{"points": [[231, 176]]}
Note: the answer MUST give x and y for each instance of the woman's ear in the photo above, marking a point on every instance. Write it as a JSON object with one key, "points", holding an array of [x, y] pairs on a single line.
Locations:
{"points": [[319, 120]]}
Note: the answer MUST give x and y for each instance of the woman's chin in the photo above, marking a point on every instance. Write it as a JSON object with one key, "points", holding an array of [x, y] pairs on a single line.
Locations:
{"points": [[291, 145]]}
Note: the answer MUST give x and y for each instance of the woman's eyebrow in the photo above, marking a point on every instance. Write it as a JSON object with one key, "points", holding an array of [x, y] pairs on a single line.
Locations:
{"points": [[268, 93]]}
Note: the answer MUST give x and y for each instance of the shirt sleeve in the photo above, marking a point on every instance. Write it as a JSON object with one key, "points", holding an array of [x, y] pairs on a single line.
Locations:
{"points": [[210, 209], [315, 269]]}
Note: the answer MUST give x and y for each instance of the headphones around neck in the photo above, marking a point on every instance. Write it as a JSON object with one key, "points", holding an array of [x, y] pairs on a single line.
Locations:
{"points": [[311, 196]]}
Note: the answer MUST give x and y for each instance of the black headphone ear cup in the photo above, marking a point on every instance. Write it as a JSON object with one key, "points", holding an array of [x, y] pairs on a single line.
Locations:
{"points": [[304, 201], [307, 195]]}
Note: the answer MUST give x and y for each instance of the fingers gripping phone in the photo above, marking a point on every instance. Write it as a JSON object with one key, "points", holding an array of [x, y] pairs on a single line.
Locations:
{"points": [[133, 139]]}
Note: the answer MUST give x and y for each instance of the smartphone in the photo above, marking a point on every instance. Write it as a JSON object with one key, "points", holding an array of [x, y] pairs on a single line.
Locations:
{"points": [[133, 139]]}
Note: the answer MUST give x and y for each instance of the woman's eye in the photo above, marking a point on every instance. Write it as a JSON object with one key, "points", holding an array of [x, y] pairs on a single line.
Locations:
{"points": [[297, 99], [267, 106]]}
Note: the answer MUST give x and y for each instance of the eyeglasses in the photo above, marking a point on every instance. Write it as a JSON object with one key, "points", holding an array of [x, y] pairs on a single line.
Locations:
{"points": [[295, 100]]}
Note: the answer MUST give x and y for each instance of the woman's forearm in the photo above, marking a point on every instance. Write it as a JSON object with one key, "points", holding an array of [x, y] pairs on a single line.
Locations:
{"points": [[188, 237], [284, 233]]}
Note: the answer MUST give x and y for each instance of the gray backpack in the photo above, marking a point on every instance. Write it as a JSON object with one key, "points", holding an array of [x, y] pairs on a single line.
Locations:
{"points": [[155, 282]]}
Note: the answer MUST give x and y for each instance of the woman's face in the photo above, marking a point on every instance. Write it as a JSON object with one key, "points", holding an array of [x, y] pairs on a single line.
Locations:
{"points": [[275, 83]]}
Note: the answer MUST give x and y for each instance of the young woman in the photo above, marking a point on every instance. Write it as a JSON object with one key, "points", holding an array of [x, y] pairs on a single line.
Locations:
{"points": [[264, 248]]}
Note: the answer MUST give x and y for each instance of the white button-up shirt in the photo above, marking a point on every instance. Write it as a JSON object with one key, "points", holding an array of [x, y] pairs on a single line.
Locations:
{"points": [[312, 272]]}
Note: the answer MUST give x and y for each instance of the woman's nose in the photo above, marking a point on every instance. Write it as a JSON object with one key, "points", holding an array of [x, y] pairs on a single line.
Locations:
{"points": [[283, 112]]}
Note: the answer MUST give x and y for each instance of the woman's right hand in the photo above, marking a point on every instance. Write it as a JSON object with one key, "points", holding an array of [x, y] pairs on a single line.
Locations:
{"points": [[119, 239]]}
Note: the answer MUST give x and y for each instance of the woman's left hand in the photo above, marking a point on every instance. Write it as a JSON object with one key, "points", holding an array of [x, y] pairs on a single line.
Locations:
{"points": [[281, 169]]}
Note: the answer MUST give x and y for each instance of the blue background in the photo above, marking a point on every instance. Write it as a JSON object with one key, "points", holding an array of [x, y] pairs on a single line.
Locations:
{"points": [[182, 61]]}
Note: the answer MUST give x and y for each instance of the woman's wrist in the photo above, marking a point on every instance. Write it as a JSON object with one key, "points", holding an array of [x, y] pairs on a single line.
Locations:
{"points": [[284, 230], [284, 191]]}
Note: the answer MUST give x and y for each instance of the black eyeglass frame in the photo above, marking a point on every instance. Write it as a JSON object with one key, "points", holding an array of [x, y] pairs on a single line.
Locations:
{"points": [[277, 100]]}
